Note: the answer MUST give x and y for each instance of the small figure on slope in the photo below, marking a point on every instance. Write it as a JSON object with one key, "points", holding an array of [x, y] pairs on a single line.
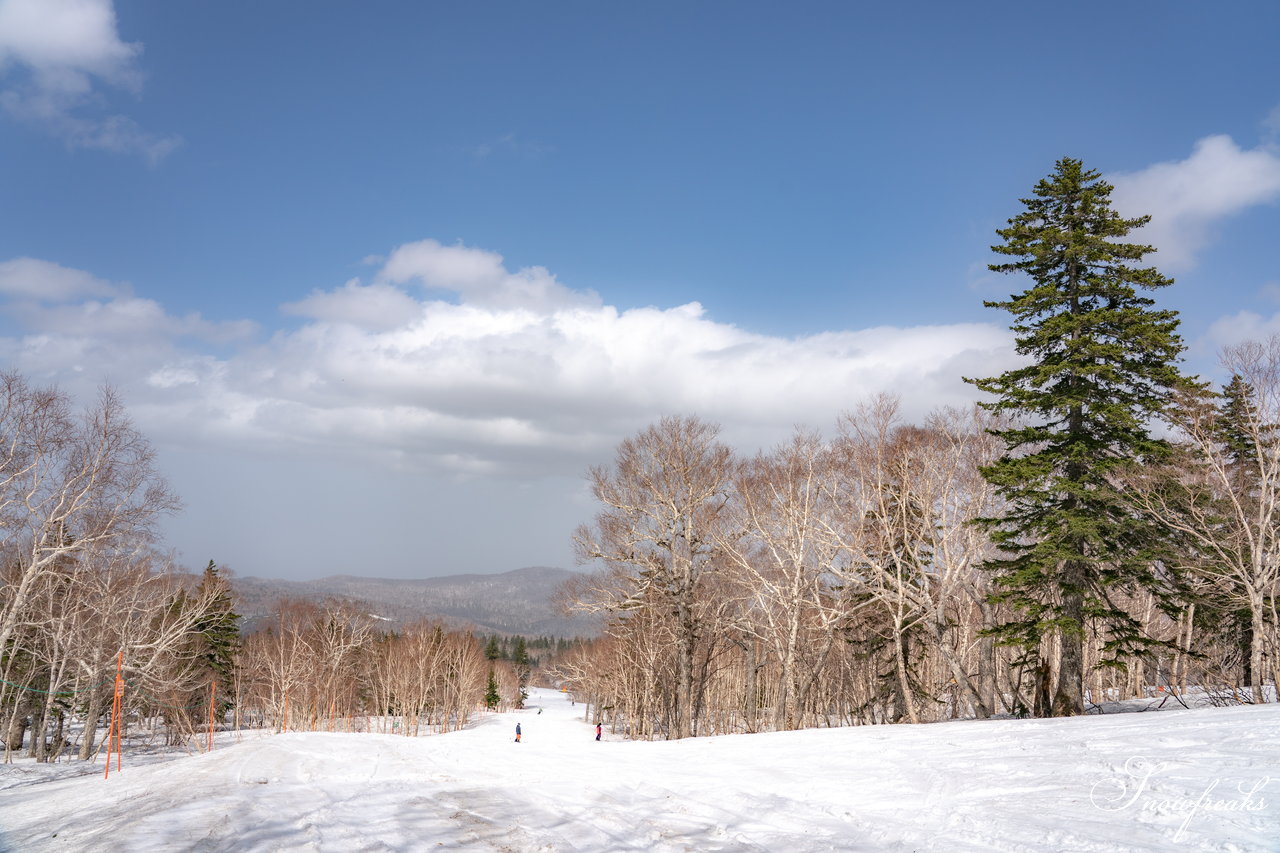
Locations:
{"points": [[597, 731], [517, 732]]}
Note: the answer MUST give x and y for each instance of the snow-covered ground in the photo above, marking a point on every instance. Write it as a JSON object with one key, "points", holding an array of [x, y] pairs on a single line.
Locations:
{"points": [[1186, 780]]}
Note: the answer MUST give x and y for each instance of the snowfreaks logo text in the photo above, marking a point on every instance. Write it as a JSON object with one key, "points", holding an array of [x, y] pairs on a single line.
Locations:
{"points": [[1132, 790]]}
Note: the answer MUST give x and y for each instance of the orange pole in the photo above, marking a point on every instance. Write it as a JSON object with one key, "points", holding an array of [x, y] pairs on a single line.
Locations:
{"points": [[114, 728]]}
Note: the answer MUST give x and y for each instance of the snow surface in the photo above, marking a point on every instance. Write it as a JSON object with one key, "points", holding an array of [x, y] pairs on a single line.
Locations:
{"points": [[1202, 780]]}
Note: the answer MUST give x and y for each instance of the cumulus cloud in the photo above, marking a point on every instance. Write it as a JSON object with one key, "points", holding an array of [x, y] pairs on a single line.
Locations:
{"points": [[1242, 326], [32, 278], [486, 371], [493, 400], [1188, 198], [75, 324], [376, 307], [478, 277], [53, 55]]}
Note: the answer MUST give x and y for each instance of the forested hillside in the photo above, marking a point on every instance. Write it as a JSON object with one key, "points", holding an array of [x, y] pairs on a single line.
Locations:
{"points": [[514, 602]]}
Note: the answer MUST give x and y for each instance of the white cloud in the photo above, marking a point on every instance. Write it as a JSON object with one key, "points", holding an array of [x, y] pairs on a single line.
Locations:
{"points": [[64, 40], [1188, 198], [478, 277], [31, 278], [375, 307], [1241, 327], [80, 325], [485, 396], [520, 375], [449, 267], [64, 48], [125, 317], [1271, 126]]}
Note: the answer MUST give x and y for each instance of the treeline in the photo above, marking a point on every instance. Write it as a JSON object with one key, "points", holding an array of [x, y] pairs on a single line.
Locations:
{"points": [[841, 581], [826, 582], [81, 585], [1101, 526], [533, 651], [87, 602], [331, 666]]}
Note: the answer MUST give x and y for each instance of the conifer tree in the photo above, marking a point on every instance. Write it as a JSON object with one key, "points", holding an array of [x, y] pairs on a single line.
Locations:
{"points": [[1237, 424], [520, 657], [219, 632], [491, 696], [1101, 363], [1239, 429]]}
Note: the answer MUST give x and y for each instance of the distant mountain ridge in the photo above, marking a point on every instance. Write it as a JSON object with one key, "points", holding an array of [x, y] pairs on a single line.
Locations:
{"points": [[520, 601]]}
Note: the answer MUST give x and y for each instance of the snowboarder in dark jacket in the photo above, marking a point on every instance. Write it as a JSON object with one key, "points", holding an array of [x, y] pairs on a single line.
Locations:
{"points": [[517, 732]]}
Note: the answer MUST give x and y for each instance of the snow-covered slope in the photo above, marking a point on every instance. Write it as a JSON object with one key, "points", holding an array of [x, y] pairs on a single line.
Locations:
{"points": [[1185, 781]]}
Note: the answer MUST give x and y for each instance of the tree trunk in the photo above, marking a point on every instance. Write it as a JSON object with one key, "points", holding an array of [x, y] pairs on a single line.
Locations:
{"points": [[904, 682], [1257, 670], [980, 708], [92, 713], [784, 712], [39, 736], [987, 676], [16, 736], [751, 687], [684, 674], [1068, 698]]}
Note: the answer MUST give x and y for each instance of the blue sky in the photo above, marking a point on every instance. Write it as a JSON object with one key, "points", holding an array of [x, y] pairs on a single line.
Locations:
{"points": [[381, 280]]}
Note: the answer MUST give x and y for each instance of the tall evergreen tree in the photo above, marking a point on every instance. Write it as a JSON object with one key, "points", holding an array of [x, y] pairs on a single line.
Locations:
{"points": [[1237, 425], [520, 657], [1102, 363], [1239, 429], [219, 632], [491, 697]]}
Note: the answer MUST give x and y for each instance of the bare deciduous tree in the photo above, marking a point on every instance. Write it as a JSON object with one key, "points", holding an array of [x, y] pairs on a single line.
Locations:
{"points": [[662, 501], [67, 484], [1220, 497]]}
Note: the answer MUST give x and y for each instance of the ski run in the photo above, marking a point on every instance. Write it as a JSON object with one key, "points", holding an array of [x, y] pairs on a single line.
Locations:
{"points": [[1189, 780]]}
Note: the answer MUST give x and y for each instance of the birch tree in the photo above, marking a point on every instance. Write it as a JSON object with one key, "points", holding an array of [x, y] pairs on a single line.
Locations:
{"points": [[67, 484], [663, 499], [1221, 499], [785, 566]]}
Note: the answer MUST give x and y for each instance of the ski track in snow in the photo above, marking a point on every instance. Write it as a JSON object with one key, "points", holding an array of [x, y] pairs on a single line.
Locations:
{"points": [[1108, 784]]}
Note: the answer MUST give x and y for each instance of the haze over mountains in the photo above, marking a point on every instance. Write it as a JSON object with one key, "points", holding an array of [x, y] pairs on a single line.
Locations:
{"points": [[515, 602]]}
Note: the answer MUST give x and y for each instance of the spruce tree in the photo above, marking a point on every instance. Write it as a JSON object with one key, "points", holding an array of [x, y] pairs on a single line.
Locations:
{"points": [[520, 657], [1102, 362], [1237, 426], [219, 632], [491, 697], [1239, 429]]}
